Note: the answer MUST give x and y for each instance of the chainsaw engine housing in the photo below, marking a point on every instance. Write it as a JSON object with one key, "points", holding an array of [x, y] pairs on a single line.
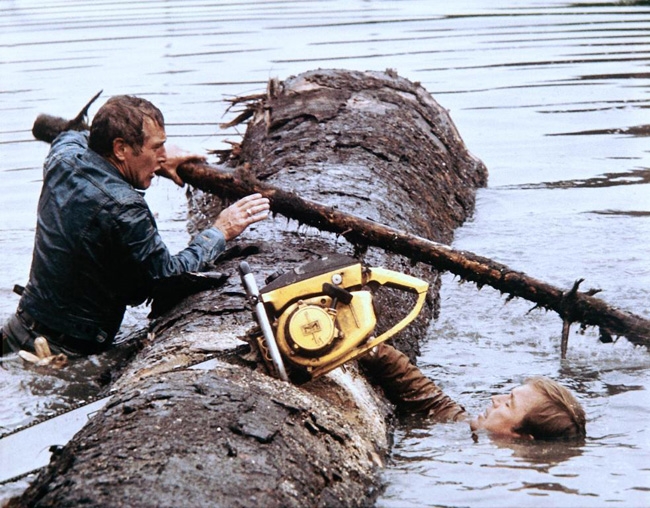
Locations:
{"points": [[321, 314]]}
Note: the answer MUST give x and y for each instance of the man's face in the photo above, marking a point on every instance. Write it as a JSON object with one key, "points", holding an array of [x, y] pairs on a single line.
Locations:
{"points": [[139, 169], [507, 411]]}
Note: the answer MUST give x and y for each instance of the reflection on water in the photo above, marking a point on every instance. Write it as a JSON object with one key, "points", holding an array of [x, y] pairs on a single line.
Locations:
{"points": [[551, 95], [543, 456], [633, 177], [637, 130], [619, 212]]}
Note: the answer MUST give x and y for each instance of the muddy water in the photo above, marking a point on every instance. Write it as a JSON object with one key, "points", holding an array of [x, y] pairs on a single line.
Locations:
{"points": [[552, 96]]}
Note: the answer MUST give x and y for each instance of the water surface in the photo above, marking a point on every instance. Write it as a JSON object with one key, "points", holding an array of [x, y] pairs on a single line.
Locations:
{"points": [[551, 95]]}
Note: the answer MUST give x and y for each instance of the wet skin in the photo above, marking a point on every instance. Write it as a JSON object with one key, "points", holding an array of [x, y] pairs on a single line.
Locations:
{"points": [[507, 411], [139, 167]]}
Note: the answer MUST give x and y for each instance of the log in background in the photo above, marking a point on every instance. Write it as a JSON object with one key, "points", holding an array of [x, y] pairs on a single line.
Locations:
{"points": [[372, 144]]}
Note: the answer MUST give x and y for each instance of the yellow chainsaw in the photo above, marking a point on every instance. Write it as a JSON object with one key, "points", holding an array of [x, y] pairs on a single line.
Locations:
{"points": [[320, 315]]}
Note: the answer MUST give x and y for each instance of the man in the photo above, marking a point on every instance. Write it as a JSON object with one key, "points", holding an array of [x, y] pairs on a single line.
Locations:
{"points": [[539, 409], [97, 248]]}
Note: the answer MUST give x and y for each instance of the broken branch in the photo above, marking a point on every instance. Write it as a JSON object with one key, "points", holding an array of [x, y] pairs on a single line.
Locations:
{"points": [[572, 306]]}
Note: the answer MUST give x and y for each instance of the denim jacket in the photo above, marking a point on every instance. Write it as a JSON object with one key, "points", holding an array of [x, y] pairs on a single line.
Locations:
{"points": [[97, 248]]}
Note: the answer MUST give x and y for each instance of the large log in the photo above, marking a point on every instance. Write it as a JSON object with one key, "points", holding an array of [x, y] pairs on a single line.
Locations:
{"points": [[372, 143]]}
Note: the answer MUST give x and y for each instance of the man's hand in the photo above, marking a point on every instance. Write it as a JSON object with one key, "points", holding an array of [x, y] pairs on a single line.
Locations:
{"points": [[175, 157], [237, 217], [43, 356]]}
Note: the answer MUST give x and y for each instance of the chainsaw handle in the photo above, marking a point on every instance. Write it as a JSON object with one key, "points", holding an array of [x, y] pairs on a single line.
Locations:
{"points": [[390, 278]]}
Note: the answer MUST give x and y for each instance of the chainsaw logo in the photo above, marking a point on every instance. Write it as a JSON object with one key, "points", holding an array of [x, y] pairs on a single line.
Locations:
{"points": [[312, 330]]}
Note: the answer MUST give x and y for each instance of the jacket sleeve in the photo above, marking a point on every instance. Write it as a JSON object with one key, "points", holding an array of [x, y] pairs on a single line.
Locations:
{"points": [[143, 246], [407, 387]]}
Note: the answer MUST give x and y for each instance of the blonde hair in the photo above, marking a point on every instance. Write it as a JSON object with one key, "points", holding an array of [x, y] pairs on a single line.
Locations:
{"points": [[559, 416]]}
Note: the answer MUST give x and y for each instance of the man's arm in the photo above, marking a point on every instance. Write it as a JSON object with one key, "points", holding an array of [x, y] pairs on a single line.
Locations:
{"points": [[406, 386], [175, 157], [233, 220], [143, 246]]}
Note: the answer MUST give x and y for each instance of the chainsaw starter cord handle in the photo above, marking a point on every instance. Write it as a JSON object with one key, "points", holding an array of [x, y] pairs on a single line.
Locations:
{"points": [[338, 293]]}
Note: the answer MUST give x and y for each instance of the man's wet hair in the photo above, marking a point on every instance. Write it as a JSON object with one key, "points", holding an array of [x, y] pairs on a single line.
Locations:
{"points": [[558, 417], [122, 116]]}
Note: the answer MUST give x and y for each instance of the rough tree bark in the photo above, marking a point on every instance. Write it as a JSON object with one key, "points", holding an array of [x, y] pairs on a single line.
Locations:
{"points": [[229, 435]]}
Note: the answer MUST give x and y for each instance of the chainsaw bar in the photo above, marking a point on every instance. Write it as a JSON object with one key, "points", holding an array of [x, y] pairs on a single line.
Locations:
{"points": [[55, 414], [26, 450]]}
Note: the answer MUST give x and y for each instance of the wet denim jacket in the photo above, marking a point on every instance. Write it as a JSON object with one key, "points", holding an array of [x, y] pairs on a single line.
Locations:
{"points": [[97, 248]]}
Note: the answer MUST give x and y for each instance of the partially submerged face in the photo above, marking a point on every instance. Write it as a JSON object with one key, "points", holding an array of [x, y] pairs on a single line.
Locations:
{"points": [[507, 412]]}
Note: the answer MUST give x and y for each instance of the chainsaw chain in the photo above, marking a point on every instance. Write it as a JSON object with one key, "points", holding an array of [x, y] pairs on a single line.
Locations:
{"points": [[21, 476], [55, 414], [217, 356]]}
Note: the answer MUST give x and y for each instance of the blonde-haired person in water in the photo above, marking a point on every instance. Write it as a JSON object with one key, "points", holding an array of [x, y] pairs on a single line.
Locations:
{"points": [[539, 409]]}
